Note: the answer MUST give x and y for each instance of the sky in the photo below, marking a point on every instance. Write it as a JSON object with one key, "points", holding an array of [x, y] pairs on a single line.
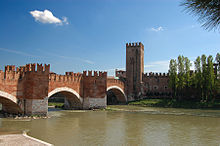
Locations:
{"points": [[77, 35]]}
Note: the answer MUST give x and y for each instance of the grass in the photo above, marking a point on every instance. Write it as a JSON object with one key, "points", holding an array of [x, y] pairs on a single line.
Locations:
{"points": [[172, 103], [56, 104]]}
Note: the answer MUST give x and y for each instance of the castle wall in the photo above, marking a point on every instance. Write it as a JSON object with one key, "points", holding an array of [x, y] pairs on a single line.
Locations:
{"points": [[155, 85]]}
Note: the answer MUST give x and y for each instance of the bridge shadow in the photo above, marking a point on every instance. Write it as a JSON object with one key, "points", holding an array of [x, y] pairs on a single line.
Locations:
{"points": [[64, 100], [115, 97], [8, 107]]}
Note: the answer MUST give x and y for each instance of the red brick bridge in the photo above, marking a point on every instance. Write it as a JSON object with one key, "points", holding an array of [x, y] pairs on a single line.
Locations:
{"points": [[26, 89]]}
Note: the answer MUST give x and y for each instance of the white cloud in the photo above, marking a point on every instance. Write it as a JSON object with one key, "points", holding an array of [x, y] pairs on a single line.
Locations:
{"points": [[65, 20], [17, 52], [66, 57], [160, 28], [157, 66], [47, 16]]}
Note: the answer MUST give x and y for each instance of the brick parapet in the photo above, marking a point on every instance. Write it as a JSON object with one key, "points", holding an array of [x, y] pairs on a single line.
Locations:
{"points": [[69, 77], [13, 73], [88, 74]]}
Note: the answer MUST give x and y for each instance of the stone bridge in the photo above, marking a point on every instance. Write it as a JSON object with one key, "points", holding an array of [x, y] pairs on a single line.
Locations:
{"points": [[26, 89]]}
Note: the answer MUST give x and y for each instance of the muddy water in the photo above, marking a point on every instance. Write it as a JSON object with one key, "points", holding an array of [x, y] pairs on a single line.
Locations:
{"points": [[129, 126]]}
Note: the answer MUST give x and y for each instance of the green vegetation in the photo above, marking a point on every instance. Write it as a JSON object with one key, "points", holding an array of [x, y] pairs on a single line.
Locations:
{"points": [[207, 10], [201, 85], [173, 103], [56, 104]]}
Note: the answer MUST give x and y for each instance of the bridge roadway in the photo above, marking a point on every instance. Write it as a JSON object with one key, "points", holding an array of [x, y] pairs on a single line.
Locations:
{"points": [[26, 89]]}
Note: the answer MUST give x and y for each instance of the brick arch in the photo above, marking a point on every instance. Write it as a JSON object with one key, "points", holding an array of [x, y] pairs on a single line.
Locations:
{"points": [[119, 93], [65, 89], [9, 103], [72, 100]]}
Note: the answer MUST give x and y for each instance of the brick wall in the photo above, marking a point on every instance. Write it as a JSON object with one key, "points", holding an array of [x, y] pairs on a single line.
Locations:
{"points": [[94, 89], [155, 85]]}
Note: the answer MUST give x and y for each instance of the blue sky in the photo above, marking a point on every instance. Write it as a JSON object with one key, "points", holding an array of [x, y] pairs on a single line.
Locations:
{"points": [[77, 35]]}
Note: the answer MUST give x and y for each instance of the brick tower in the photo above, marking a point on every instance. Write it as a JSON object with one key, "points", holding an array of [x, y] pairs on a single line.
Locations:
{"points": [[134, 69]]}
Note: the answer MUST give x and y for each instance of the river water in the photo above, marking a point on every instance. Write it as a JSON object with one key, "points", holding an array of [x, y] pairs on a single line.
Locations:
{"points": [[131, 126]]}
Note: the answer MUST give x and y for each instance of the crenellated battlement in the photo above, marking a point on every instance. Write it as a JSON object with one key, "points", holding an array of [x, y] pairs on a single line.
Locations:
{"points": [[137, 44], [32, 68], [94, 74], [69, 77], [10, 73], [28, 68], [13, 73], [160, 75], [9, 68]]}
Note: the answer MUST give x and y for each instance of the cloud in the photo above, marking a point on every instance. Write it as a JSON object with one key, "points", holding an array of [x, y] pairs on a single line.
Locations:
{"points": [[160, 28], [17, 52], [65, 20], [47, 16], [66, 57], [87, 61], [157, 66], [73, 58]]}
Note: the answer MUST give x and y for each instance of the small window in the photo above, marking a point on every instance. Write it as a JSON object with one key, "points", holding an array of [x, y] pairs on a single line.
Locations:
{"points": [[155, 87]]}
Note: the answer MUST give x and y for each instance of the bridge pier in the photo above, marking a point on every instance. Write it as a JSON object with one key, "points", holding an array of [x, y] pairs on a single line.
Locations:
{"points": [[94, 103], [36, 107]]}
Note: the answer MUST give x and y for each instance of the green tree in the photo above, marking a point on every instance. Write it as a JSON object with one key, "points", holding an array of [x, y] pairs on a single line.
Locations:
{"points": [[204, 77], [207, 10], [198, 77], [181, 76], [187, 65], [210, 78], [217, 59], [173, 79], [217, 80]]}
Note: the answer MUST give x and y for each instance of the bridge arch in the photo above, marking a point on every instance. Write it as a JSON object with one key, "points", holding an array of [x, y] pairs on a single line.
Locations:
{"points": [[9, 103], [72, 100], [118, 92]]}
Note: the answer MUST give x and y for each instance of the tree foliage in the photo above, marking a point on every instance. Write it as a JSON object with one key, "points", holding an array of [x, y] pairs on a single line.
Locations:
{"points": [[202, 83], [173, 76]]}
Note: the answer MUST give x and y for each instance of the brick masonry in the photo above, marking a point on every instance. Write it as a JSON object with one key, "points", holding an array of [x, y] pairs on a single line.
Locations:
{"points": [[134, 69], [26, 89]]}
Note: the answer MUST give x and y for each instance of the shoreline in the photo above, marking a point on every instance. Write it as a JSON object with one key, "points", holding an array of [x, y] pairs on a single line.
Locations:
{"points": [[173, 103], [21, 139]]}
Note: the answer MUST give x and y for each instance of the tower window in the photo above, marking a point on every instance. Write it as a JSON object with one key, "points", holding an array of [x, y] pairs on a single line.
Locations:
{"points": [[155, 87]]}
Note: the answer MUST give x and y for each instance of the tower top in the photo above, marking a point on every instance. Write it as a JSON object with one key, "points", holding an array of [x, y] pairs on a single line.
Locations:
{"points": [[136, 44]]}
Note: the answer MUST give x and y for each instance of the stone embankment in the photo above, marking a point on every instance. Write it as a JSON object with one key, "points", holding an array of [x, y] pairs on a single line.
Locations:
{"points": [[21, 140]]}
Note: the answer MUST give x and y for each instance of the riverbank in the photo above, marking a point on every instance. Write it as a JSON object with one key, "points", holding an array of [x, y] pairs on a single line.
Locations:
{"points": [[173, 103], [21, 139]]}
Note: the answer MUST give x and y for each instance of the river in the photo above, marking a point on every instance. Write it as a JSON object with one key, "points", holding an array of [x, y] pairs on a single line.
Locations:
{"points": [[130, 126]]}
